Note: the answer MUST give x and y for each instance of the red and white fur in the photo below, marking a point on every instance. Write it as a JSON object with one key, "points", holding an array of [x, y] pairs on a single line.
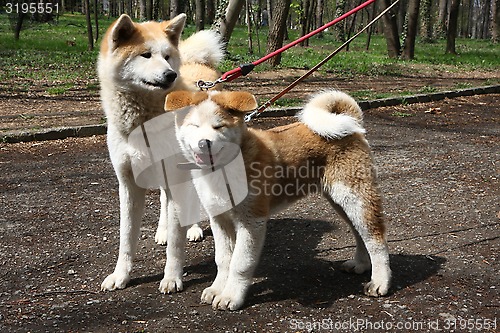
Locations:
{"points": [[328, 136]]}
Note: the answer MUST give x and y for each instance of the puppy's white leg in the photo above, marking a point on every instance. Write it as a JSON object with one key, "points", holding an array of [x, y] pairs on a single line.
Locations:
{"points": [[224, 238], [161, 231], [131, 210], [249, 242], [364, 216]]}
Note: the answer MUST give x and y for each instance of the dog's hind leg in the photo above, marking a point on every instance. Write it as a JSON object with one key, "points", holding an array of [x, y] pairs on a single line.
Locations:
{"points": [[161, 231], [131, 209], [363, 213]]}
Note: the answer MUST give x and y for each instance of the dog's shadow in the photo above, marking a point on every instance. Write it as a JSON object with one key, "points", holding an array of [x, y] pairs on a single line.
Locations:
{"points": [[296, 265], [293, 268]]}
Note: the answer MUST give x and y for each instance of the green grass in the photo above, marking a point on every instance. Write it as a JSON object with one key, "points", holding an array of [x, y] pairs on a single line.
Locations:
{"points": [[56, 55]]}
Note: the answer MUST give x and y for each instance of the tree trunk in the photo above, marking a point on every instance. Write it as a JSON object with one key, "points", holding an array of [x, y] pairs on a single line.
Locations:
{"points": [[391, 31], [495, 20], [441, 20], [175, 8], [142, 10], [426, 18], [340, 27], [19, 24], [200, 15], [319, 13], [89, 25], [451, 33], [228, 22], [270, 12], [249, 26], [411, 35], [277, 29], [210, 11], [96, 19]]}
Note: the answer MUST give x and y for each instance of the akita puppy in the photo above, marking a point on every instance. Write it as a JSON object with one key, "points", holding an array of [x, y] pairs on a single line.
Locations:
{"points": [[326, 151], [138, 65]]}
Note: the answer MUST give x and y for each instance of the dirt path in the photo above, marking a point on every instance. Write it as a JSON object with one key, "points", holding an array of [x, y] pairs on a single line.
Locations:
{"points": [[38, 110], [438, 165]]}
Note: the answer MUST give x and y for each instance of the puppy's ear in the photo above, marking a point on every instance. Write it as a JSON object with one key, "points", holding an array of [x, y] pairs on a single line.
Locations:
{"points": [[180, 99], [235, 100], [173, 28], [122, 31]]}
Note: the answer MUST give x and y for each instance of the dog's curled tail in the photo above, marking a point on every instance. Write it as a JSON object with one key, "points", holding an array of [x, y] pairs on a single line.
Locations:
{"points": [[332, 114], [204, 47]]}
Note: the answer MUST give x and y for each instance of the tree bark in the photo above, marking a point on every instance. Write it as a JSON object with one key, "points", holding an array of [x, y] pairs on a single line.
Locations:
{"points": [[495, 20], [277, 29], [210, 11], [228, 21], [19, 25], [200, 15], [391, 31], [411, 35], [441, 20], [451, 33], [89, 25], [426, 19]]}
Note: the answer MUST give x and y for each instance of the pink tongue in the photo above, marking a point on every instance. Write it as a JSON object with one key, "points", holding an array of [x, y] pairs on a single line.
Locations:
{"points": [[202, 158]]}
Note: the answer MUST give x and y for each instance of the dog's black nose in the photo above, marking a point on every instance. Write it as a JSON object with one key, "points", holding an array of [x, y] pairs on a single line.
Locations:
{"points": [[205, 145], [170, 76]]}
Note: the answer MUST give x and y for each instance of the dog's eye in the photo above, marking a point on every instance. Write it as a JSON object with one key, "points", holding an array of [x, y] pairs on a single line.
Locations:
{"points": [[146, 55], [193, 125], [216, 127], [167, 57]]}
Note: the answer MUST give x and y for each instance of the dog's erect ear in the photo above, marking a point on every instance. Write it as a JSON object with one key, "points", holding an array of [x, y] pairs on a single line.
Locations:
{"points": [[173, 28], [122, 31], [180, 99], [235, 100]]}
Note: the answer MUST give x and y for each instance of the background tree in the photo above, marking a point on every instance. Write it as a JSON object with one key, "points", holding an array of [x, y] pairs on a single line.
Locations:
{"points": [[411, 32], [200, 15], [391, 30], [451, 33], [495, 20], [277, 29]]}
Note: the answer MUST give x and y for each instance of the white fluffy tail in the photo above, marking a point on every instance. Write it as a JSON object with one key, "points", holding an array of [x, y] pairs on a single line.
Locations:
{"points": [[333, 115], [204, 47]]}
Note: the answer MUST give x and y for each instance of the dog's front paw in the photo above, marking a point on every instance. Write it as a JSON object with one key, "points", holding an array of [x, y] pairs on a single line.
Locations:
{"points": [[208, 295], [353, 266], [225, 302], [161, 236], [170, 285], [195, 233], [115, 281], [375, 289]]}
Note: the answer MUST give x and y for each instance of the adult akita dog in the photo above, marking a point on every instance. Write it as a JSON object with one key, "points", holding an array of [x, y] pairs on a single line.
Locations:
{"points": [[138, 65], [326, 151]]}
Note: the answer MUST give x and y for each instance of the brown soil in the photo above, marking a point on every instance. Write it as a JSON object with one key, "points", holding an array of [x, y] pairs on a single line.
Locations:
{"points": [[21, 112], [438, 166]]}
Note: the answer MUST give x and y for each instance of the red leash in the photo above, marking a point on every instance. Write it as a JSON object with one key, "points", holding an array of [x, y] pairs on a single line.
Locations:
{"points": [[247, 68]]}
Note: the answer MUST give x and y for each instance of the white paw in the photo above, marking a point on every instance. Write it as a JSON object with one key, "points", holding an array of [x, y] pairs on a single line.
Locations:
{"points": [[170, 285], [195, 233], [227, 302], [208, 295], [115, 281], [353, 266], [161, 236], [376, 289]]}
